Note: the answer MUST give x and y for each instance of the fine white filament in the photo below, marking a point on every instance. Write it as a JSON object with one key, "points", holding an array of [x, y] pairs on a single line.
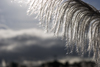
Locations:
{"points": [[78, 21]]}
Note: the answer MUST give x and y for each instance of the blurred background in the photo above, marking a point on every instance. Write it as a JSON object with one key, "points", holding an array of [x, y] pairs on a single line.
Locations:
{"points": [[23, 42]]}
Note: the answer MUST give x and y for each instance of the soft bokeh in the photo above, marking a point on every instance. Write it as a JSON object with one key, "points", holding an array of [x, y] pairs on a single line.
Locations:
{"points": [[22, 38]]}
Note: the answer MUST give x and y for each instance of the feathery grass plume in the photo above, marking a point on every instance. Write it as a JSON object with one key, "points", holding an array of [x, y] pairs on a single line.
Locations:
{"points": [[78, 21]]}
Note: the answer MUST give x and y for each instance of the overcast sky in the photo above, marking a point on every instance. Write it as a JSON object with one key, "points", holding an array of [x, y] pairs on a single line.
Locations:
{"points": [[21, 38]]}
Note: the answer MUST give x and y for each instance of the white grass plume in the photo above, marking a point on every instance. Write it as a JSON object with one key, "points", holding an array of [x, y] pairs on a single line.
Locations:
{"points": [[78, 21]]}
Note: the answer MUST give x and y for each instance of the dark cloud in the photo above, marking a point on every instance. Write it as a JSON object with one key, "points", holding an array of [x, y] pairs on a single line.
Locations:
{"points": [[31, 47], [31, 44], [34, 53]]}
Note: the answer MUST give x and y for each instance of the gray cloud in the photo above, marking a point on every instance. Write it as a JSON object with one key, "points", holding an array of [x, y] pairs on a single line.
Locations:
{"points": [[31, 44], [30, 47]]}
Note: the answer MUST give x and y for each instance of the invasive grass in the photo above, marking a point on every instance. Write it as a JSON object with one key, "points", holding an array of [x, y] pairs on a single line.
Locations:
{"points": [[78, 21]]}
